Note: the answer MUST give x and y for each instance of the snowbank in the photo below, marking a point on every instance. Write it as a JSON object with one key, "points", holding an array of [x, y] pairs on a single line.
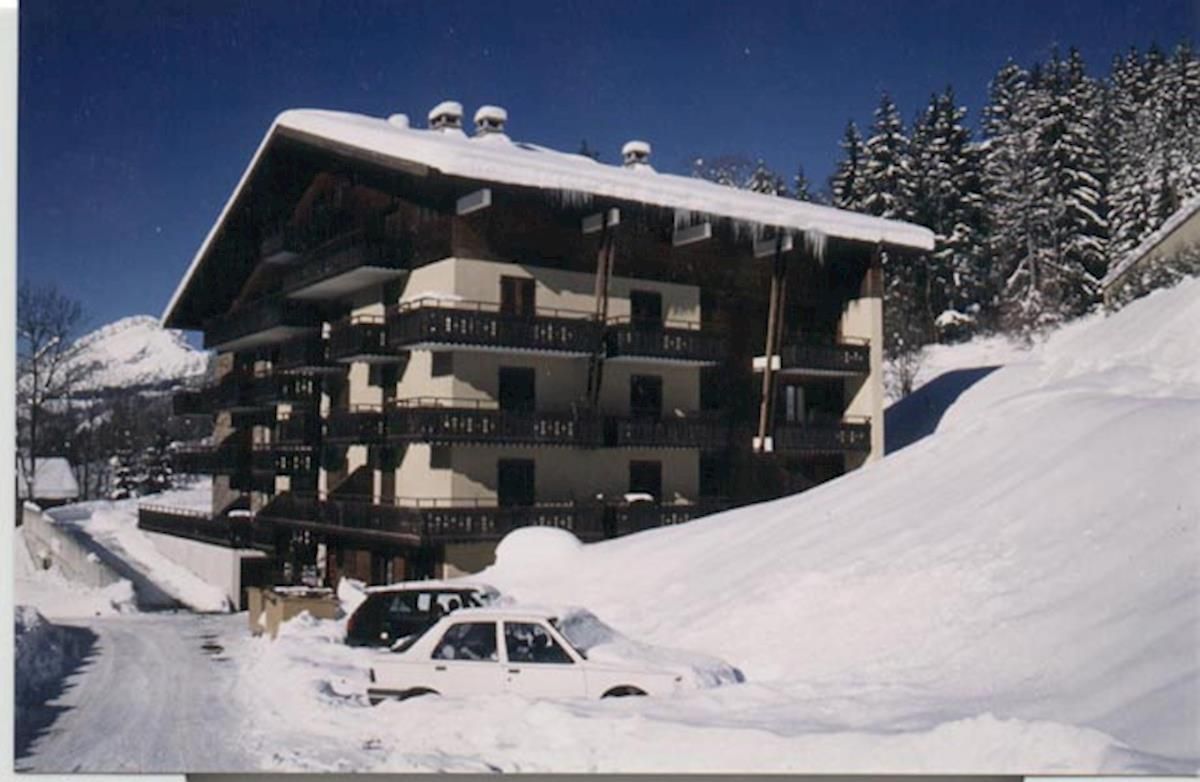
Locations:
{"points": [[45, 653], [54, 594]]}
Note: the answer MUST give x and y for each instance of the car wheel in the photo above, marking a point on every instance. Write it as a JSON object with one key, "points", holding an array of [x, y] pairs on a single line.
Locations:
{"points": [[624, 691]]}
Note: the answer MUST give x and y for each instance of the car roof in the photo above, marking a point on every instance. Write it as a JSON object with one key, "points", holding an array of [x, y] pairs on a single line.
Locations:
{"points": [[454, 585], [516, 613]]}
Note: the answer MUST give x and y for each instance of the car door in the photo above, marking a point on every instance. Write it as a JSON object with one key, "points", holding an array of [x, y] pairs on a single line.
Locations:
{"points": [[466, 660], [537, 665]]}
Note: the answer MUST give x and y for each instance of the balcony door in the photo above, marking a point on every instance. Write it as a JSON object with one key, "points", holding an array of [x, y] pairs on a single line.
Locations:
{"points": [[645, 309], [645, 478], [517, 297], [518, 389], [645, 396], [515, 482]]}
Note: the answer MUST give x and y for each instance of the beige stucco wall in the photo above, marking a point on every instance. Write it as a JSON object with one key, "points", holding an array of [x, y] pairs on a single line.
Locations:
{"points": [[864, 318]]}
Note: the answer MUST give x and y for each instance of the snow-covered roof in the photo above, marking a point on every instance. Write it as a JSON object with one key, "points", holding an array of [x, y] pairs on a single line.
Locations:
{"points": [[1189, 209], [495, 159], [52, 480]]}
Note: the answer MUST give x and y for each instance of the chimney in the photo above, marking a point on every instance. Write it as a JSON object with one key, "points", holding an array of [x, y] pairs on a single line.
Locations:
{"points": [[490, 120], [445, 116], [636, 154]]}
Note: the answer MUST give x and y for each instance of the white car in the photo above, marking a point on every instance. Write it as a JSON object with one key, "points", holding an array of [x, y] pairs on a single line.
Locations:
{"points": [[538, 653]]}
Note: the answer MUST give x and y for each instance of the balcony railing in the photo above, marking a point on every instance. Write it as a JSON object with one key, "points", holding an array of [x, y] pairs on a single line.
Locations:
{"points": [[231, 532], [360, 338], [852, 435], [415, 521], [283, 459], [346, 263], [260, 323], [296, 389], [301, 427], [817, 354], [307, 353], [228, 458], [440, 420], [482, 325], [698, 431], [638, 516], [358, 425], [680, 343]]}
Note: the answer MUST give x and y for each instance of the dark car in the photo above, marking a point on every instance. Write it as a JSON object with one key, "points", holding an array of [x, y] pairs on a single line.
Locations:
{"points": [[398, 611]]}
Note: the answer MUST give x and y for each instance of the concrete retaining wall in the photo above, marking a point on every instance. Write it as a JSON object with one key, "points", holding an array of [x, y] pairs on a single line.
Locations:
{"points": [[48, 541], [217, 565]]}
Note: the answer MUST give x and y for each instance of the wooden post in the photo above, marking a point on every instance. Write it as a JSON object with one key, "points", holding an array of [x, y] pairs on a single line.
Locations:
{"points": [[774, 314], [604, 266]]}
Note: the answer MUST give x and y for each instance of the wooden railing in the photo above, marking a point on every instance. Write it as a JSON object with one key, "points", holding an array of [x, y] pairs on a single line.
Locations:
{"points": [[827, 354], [482, 324], [306, 353], [298, 427], [441, 420], [697, 431], [625, 337], [358, 425], [852, 435], [361, 335], [256, 317], [281, 459], [637, 516], [233, 532], [344, 253]]}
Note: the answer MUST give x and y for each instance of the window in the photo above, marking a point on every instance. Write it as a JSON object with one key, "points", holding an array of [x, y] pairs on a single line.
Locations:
{"points": [[645, 478], [531, 643], [793, 404], [515, 479], [441, 364], [439, 457], [468, 641], [645, 309], [517, 297], [645, 396], [518, 389]]}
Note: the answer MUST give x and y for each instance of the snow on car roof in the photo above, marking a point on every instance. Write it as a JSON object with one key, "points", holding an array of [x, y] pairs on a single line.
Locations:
{"points": [[492, 158], [454, 584]]}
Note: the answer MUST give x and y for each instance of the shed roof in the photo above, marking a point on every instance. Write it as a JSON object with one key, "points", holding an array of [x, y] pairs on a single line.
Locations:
{"points": [[53, 480]]}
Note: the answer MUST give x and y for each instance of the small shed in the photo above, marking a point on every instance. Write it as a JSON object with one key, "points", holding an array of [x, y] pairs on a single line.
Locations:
{"points": [[53, 481]]}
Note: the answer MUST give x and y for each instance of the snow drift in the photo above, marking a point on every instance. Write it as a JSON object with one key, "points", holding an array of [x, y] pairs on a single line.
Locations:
{"points": [[1036, 559], [45, 653]]}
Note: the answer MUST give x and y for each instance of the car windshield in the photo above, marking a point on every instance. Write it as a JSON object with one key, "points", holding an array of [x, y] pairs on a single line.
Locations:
{"points": [[583, 630]]}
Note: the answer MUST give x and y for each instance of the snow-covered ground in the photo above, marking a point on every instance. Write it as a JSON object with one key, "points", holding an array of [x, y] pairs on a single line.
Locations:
{"points": [[53, 595], [1019, 592], [113, 525]]}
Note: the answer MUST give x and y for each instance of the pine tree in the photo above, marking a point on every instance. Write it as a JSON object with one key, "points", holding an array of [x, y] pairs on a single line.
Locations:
{"points": [[764, 180], [159, 476], [887, 169], [846, 184], [125, 469], [801, 189]]}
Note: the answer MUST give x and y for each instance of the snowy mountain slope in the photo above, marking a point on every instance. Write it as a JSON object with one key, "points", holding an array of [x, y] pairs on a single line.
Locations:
{"points": [[137, 352], [1037, 558]]}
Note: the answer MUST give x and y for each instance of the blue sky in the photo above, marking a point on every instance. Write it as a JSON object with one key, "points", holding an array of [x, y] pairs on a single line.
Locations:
{"points": [[137, 117]]}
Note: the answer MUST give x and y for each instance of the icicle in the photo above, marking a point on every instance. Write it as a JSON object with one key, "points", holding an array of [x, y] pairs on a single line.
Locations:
{"points": [[815, 241]]}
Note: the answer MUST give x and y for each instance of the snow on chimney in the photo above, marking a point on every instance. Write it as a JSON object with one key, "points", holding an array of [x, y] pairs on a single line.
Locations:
{"points": [[489, 121], [636, 154], [445, 116], [398, 120]]}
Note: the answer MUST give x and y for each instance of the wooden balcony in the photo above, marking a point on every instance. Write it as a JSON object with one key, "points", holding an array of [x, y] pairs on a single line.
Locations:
{"points": [[306, 354], [358, 425], [260, 323], [424, 521], [430, 324], [298, 427], [627, 340], [632, 517], [228, 458], [296, 389], [820, 356], [851, 435], [345, 264], [696, 431], [445, 421], [196, 525], [361, 338], [283, 459]]}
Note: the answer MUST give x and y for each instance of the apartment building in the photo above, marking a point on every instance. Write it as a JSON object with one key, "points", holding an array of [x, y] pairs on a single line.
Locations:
{"points": [[427, 339]]}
